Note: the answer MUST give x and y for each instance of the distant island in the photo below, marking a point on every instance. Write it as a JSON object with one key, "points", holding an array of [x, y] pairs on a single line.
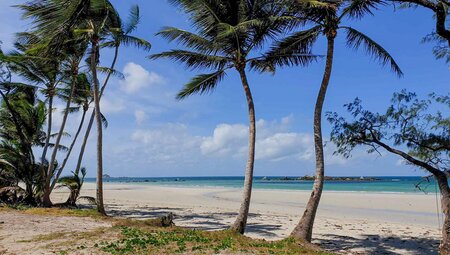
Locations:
{"points": [[327, 178]]}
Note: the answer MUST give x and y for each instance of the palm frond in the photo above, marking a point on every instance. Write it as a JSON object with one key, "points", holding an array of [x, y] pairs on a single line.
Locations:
{"points": [[202, 84], [113, 72], [357, 9], [139, 43], [193, 60], [187, 39], [133, 20], [355, 39]]}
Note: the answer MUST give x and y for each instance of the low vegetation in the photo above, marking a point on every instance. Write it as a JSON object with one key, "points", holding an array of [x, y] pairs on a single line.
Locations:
{"points": [[128, 236]]}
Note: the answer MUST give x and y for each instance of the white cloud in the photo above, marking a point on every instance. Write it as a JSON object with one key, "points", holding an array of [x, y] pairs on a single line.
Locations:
{"points": [[137, 78], [140, 116], [111, 106], [226, 139], [281, 146], [273, 142], [171, 143]]}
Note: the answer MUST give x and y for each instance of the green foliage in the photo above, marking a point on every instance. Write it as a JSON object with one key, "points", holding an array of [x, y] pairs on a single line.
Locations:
{"points": [[136, 240], [326, 19], [229, 34], [422, 126]]}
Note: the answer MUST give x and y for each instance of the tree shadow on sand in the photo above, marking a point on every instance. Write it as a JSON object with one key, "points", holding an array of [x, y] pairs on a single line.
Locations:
{"points": [[203, 221], [375, 244]]}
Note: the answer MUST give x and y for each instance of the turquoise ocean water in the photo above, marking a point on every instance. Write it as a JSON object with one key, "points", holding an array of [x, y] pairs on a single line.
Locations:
{"points": [[398, 184]]}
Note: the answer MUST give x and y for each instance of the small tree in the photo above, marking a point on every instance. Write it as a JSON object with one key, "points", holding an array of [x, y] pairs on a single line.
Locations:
{"points": [[416, 130]]}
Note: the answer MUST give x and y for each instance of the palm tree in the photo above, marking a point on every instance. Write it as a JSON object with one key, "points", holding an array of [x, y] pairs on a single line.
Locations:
{"points": [[81, 98], [74, 51], [326, 19], [22, 117], [229, 34], [44, 72], [95, 20], [74, 184], [119, 37]]}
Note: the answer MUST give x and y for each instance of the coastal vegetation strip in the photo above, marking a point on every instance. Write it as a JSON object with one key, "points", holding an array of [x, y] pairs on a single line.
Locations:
{"points": [[127, 236]]}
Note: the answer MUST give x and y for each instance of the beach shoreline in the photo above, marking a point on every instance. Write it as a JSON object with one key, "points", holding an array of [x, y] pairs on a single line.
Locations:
{"points": [[396, 223]]}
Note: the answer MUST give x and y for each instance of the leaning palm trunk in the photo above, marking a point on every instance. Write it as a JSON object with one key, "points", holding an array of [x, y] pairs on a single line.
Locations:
{"points": [[47, 139], [47, 189], [98, 117], [91, 120], [49, 128], [241, 221], [305, 227], [60, 170]]}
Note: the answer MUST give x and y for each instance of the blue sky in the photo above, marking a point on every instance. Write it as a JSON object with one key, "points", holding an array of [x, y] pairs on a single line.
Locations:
{"points": [[152, 134]]}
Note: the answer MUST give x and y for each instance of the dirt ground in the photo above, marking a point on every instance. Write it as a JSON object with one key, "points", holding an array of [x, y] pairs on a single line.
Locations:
{"points": [[22, 233]]}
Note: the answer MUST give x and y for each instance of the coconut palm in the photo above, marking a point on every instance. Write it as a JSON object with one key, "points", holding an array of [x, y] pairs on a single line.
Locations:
{"points": [[326, 20], [118, 38], [93, 19], [22, 117], [46, 73], [74, 51], [229, 36], [82, 98]]}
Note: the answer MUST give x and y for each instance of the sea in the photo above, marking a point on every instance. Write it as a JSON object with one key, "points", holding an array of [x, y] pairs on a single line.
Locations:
{"points": [[381, 184]]}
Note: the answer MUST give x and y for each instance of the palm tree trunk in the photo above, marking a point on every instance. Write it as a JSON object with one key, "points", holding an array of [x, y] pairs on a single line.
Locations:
{"points": [[49, 129], [83, 145], [305, 227], [47, 142], [70, 150], [47, 189], [241, 220], [98, 117], [91, 120]]}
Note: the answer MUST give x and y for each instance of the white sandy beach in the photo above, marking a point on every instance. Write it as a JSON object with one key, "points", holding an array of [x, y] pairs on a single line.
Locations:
{"points": [[351, 223]]}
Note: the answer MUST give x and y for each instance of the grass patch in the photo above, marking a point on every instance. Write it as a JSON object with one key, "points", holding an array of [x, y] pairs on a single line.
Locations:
{"points": [[175, 240], [47, 237], [54, 211], [63, 212]]}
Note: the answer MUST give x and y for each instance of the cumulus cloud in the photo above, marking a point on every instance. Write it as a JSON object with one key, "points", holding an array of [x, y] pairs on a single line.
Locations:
{"points": [[281, 146], [225, 139], [273, 141], [137, 78], [174, 144]]}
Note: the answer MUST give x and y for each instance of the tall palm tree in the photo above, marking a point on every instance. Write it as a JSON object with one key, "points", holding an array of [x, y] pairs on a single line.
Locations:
{"points": [[95, 20], [82, 98], [229, 35], [119, 37], [74, 50], [44, 72], [326, 20]]}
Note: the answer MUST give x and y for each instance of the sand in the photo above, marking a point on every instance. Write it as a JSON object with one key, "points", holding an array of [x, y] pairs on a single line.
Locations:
{"points": [[348, 223]]}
